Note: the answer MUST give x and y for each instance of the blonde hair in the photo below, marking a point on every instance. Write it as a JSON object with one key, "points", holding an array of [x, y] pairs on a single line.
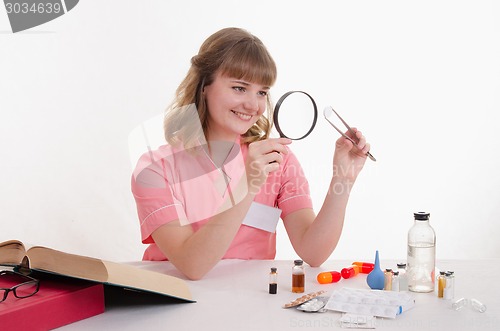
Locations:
{"points": [[232, 52]]}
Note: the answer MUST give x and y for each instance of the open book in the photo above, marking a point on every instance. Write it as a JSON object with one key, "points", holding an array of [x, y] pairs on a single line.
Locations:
{"points": [[47, 260]]}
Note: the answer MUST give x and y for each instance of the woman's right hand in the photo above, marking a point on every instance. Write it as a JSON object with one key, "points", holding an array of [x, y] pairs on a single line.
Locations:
{"points": [[264, 157]]}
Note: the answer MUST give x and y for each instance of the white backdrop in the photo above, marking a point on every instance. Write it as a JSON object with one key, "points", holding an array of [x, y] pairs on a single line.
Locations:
{"points": [[421, 79]]}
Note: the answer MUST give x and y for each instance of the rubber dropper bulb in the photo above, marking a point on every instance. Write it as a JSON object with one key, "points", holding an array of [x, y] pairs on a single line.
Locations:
{"points": [[375, 279]]}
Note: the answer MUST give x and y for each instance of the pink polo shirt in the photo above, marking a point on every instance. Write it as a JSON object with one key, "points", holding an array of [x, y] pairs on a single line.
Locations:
{"points": [[171, 184]]}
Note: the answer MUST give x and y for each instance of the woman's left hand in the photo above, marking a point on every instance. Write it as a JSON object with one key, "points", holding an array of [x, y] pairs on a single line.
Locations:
{"points": [[348, 160]]}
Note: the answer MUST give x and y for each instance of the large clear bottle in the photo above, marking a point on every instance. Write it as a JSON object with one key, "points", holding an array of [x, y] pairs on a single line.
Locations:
{"points": [[421, 254]]}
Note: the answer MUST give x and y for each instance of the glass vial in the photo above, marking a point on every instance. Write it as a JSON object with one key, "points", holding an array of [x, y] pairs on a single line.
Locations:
{"points": [[395, 281], [388, 279], [421, 254], [273, 281], [403, 277], [298, 277], [441, 284], [449, 289]]}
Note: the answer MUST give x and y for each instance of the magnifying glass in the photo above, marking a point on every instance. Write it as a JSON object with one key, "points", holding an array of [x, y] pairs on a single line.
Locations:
{"points": [[298, 116], [301, 117]]}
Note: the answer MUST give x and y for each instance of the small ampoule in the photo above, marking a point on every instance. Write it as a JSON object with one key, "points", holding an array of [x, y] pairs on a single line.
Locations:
{"points": [[459, 304], [273, 281], [298, 276], [477, 305], [474, 304], [388, 279]]}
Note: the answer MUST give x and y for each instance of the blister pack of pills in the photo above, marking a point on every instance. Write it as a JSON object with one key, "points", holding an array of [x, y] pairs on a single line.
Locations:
{"points": [[314, 305], [303, 299], [370, 302]]}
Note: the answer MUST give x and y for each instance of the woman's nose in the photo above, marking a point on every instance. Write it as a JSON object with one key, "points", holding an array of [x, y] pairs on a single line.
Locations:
{"points": [[252, 103]]}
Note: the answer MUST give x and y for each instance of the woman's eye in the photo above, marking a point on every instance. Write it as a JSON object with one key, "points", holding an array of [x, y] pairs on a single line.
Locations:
{"points": [[239, 88], [263, 93]]}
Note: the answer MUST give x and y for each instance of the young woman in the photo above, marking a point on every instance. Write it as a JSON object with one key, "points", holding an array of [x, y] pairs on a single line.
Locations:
{"points": [[217, 189]]}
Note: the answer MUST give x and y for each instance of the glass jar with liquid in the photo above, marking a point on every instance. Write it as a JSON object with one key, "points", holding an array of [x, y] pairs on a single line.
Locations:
{"points": [[421, 254]]}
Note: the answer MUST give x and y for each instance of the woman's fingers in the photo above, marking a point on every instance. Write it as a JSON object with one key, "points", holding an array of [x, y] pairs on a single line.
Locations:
{"points": [[264, 157], [270, 145]]}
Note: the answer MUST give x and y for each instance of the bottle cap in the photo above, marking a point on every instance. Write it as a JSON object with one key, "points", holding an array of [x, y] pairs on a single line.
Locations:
{"points": [[421, 216], [401, 265], [274, 269], [298, 262]]}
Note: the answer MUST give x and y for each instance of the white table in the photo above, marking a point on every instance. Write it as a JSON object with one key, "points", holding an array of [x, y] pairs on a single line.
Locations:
{"points": [[234, 296]]}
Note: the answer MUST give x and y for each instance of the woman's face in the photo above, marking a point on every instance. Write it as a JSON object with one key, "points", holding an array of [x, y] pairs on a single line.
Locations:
{"points": [[234, 105]]}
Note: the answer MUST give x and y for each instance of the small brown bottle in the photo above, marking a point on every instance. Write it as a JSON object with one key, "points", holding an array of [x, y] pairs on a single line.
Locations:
{"points": [[298, 276], [273, 281]]}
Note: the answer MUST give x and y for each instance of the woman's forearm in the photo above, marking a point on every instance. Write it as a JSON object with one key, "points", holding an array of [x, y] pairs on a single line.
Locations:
{"points": [[196, 253], [321, 237]]}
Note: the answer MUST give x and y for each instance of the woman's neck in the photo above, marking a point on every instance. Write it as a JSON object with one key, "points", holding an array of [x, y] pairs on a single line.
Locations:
{"points": [[219, 149]]}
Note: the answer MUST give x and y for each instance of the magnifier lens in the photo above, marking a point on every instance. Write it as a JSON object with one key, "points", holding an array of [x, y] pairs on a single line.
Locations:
{"points": [[295, 115]]}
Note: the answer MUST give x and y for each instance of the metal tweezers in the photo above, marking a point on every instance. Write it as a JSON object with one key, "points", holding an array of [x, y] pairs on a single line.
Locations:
{"points": [[327, 112]]}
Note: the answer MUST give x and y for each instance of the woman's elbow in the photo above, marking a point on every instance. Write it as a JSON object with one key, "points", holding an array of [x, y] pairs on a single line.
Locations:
{"points": [[192, 272], [314, 263], [194, 275]]}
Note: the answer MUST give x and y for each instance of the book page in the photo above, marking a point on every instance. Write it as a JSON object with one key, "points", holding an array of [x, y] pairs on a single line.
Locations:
{"points": [[146, 280], [122, 275], [12, 252], [51, 260]]}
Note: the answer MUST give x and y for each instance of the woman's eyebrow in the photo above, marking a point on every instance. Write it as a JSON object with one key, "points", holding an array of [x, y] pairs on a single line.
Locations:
{"points": [[242, 82]]}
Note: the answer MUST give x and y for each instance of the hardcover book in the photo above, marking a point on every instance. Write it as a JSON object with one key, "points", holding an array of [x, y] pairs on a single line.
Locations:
{"points": [[59, 301], [51, 261]]}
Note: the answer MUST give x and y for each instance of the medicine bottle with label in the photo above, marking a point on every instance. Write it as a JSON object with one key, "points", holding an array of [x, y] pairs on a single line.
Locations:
{"points": [[421, 254]]}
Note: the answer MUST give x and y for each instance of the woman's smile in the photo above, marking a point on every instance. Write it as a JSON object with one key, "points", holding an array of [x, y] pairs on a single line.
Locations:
{"points": [[243, 116]]}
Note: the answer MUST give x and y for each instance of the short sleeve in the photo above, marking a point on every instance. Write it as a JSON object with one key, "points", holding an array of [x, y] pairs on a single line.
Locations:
{"points": [[294, 192], [155, 201]]}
